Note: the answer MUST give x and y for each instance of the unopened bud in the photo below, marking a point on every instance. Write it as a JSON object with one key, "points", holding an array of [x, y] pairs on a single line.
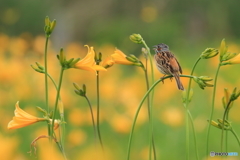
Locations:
{"points": [[136, 38], [209, 53]]}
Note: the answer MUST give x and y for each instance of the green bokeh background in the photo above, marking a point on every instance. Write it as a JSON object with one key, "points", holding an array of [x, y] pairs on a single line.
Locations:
{"points": [[188, 27]]}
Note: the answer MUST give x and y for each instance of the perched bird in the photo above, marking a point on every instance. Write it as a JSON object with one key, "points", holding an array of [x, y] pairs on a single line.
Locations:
{"points": [[167, 63]]}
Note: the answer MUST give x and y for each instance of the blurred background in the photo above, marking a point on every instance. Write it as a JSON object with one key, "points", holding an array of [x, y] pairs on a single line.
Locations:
{"points": [[188, 27]]}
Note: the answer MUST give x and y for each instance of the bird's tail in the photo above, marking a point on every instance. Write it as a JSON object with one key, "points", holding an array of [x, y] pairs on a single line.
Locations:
{"points": [[179, 83]]}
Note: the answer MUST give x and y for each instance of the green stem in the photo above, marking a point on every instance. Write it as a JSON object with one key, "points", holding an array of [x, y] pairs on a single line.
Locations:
{"points": [[92, 116], [212, 109], [98, 112], [54, 83], [150, 106], [224, 118], [149, 114], [46, 72], [46, 82], [139, 108], [236, 136], [190, 116], [56, 101]]}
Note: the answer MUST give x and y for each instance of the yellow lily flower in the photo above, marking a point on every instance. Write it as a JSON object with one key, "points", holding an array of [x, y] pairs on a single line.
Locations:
{"points": [[235, 60], [120, 58], [88, 62], [22, 118]]}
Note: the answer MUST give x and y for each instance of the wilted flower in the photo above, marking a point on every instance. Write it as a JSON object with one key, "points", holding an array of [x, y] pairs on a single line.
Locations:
{"points": [[209, 53], [108, 62], [226, 126], [22, 118], [88, 62]]}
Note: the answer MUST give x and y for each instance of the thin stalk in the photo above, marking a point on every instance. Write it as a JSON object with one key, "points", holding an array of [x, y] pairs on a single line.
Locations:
{"points": [[46, 72], [57, 97], [236, 136], [212, 109], [46, 82], [92, 116], [190, 116], [224, 118], [139, 108], [56, 101], [226, 137], [149, 113], [54, 83], [98, 112], [150, 106]]}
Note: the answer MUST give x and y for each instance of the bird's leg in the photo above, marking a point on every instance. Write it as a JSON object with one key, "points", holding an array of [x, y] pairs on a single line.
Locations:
{"points": [[162, 78]]}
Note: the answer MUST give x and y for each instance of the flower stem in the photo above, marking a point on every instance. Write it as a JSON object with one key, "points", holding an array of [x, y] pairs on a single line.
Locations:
{"points": [[98, 112], [92, 116], [150, 105], [46, 72], [190, 116], [224, 118], [56, 105], [236, 136], [139, 108], [46, 82], [149, 113], [212, 109]]}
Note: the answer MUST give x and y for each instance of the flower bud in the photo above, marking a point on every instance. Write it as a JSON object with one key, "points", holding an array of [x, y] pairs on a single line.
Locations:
{"points": [[223, 49], [76, 86], [229, 56], [145, 53], [42, 110], [37, 69], [184, 95], [136, 38], [209, 53]]}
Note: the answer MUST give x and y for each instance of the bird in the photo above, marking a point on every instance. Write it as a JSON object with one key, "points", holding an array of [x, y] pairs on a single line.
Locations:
{"points": [[167, 63]]}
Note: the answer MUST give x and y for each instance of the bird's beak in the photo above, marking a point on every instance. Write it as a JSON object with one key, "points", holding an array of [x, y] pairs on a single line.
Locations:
{"points": [[155, 47]]}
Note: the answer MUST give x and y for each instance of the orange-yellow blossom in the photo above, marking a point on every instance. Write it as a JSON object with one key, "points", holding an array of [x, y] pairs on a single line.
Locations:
{"points": [[88, 62], [22, 118], [120, 58], [235, 60], [108, 62]]}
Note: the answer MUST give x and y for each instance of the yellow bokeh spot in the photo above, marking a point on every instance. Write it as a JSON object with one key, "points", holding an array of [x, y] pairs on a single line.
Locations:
{"points": [[172, 116], [148, 14], [77, 137]]}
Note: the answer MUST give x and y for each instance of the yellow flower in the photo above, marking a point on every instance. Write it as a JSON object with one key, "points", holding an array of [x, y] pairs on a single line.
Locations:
{"points": [[88, 62], [235, 60], [120, 58], [22, 118], [108, 62]]}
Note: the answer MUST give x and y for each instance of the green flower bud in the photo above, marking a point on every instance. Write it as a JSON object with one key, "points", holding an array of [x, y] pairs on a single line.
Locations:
{"points": [[223, 49], [205, 78], [209, 53], [145, 53], [42, 110], [136, 38], [184, 95]]}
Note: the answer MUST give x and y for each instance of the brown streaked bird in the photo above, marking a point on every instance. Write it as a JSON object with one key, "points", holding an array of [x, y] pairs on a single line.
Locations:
{"points": [[167, 63]]}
